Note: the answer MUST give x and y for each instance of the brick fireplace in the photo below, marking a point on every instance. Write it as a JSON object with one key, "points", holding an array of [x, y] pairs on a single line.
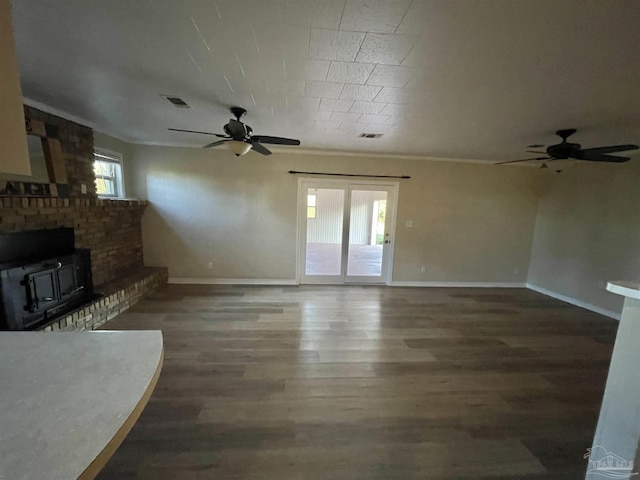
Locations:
{"points": [[109, 228]]}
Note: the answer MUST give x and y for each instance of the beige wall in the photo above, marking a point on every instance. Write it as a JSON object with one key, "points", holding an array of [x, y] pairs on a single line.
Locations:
{"points": [[472, 223], [588, 232], [14, 158]]}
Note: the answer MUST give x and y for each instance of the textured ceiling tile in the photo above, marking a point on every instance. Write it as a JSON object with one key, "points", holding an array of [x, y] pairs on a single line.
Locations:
{"points": [[304, 69], [335, 105], [360, 92], [345, 117], [247, 85], [238, 83], [417, 57], [327, 124], [376, 127], [387, 49], [285, 38], [323, 115], [311, 13], [353, 129], [334, 45], [324, 89], [263, 66], [417, 84], [338, 132], [508, 48], [295, 103], [366, 107], [373, 119], [218, 84], [289, 87], [390, 76], [242, 44], [326, 13], [265, 101], [349, 72], [237, 13], [295, 123], [395, 95], [298, 12], [381, 16], [417, 18], [394, 110]]}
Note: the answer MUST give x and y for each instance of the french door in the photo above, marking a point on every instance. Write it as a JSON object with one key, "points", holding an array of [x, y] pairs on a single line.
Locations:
{"points": [[346, 231]]}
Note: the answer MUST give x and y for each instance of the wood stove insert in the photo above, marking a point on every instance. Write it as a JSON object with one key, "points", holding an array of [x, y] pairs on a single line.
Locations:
{"points": [[42, 277]]}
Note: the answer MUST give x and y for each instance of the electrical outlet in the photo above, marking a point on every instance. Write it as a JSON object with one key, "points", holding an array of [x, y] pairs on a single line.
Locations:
{"points": [[210, 265], [408, 224], [83, 188], [423, 269]]}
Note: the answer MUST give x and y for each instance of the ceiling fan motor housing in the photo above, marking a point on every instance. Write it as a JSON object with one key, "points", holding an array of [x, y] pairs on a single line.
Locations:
{"points": [[239, 131], [563, 150]]}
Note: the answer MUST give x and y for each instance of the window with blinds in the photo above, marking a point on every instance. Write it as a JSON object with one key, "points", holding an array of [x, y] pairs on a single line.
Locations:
{"points": [[107, 167]]}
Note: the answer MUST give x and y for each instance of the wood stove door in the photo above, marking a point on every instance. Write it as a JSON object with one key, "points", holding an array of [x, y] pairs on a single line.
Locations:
{"points": [[68, 281], [43, 292]]}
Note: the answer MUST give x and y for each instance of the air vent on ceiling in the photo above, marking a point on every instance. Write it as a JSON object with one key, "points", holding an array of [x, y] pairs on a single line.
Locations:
{"points": [[176, 101], [370, 135]]}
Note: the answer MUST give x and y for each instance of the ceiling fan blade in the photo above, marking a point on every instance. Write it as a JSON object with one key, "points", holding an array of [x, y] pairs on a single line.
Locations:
{"points": [[260, 148], [275, 140], [533, 151], [523, 160], [602, 158], [215, 144], [236, 129], [195, 131], [610, 149]]}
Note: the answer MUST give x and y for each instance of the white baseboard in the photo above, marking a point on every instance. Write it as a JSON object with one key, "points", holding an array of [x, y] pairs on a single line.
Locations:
{"points": [[231, 281], [573, 301], [401, 283]]}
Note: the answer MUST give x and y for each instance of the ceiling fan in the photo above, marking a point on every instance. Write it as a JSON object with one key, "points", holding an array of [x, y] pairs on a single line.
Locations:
{"points": [[240, 138], [565, 150]]}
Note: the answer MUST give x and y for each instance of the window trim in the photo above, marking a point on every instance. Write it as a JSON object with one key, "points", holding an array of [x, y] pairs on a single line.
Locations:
{"points": [[312, 208], [113, 157]]}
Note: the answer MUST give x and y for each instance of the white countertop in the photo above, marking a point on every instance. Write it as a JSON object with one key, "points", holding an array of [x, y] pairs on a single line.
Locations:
{"points": [[64, 396], [625, 288]]}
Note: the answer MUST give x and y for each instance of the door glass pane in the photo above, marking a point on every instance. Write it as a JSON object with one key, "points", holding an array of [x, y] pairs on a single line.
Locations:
{"points": [[325, 212], [366, 232]]}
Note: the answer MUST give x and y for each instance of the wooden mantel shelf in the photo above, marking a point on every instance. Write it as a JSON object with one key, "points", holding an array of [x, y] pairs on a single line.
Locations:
{"points": [[68, 399]]}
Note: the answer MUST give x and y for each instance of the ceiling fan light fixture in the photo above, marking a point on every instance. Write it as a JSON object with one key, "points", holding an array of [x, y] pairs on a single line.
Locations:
{"points": [[239, 137], [238, 148]]}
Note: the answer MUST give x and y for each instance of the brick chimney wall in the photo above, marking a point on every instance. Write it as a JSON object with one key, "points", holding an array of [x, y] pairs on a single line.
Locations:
{"points": [[110, 228]]}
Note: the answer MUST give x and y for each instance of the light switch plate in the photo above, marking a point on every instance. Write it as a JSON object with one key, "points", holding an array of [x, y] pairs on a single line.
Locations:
{"points": [[408, 224]]}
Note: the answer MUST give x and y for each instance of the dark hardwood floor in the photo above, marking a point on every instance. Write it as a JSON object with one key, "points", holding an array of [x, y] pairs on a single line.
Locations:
{"points": [[360, 383]]}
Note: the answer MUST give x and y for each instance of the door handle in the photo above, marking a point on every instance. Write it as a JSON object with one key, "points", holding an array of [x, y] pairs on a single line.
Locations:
{"points": [[71, 292], [387, 241]]}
